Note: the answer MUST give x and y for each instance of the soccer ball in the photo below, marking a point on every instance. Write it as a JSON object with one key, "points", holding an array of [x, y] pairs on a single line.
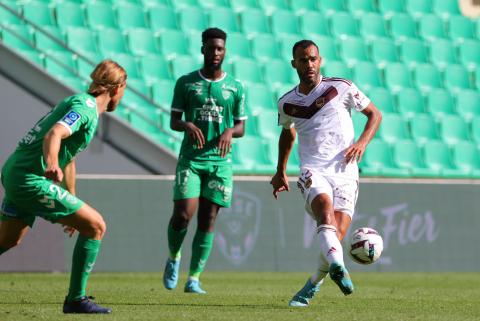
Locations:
{"points": [[366, 245]]}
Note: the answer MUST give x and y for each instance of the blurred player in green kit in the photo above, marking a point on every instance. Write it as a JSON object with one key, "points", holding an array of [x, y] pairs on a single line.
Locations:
{"points": [[213, 104], [39, 178]]}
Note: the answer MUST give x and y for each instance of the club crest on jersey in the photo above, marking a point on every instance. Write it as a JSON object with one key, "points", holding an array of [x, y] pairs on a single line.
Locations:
{"points": [[320, 102], [71, 118], [225, 94]]}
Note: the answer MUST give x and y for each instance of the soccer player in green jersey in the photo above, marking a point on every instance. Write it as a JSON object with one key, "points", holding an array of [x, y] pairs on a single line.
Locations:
{"points": [[213, 104], [39, 178]]}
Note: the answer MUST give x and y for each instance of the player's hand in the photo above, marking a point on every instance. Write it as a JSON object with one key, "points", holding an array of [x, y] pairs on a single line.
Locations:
{"points": [[225, 142], [54, 173], [68, 230], [195, 135], [280, 183], [355, 152]]}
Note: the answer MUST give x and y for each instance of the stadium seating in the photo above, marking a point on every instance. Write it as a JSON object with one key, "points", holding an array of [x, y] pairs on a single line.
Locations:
{"points": [[418, 61]]}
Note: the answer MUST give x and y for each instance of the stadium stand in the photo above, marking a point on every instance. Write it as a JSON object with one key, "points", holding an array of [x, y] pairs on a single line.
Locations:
{"points": [[418, 60]]}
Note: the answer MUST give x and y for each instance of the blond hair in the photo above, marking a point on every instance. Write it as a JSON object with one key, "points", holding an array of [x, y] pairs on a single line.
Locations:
{"points": [[107, 75]]}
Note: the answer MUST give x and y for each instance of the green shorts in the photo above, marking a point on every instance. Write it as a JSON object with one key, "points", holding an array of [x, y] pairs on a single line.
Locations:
{"points": [[213, 181], [38, 197]]}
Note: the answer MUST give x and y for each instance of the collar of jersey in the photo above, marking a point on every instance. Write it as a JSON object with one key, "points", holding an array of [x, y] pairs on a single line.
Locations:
{"points": [[209, 80], [95, 100], [300, 94]]}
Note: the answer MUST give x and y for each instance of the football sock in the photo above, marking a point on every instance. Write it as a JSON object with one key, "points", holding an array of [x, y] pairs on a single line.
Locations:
{"points": [[84, 257], [175, 240], [321, 272], [3, 250], [201, 248], [330, 245]]}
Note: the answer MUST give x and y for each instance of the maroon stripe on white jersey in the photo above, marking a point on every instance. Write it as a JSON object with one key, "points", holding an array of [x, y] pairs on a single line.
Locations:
{"points": [[348, 82]]}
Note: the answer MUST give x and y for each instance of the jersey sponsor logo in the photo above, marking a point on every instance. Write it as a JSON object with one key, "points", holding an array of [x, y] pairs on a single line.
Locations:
{"points": [[308, 112], [226, 190], [71, 118], [90, 103]]}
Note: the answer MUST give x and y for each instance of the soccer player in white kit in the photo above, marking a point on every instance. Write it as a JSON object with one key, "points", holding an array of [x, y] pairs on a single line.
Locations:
{"points": [[319, 110]]}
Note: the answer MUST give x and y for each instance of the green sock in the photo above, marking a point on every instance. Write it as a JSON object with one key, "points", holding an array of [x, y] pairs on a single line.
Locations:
{"points": [[3, 250], [175, 240], [201, 248], [84, 257]]}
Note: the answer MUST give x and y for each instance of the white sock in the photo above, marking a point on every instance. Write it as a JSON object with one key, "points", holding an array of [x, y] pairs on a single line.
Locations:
{"points": [[322, 271], [330, 246]]}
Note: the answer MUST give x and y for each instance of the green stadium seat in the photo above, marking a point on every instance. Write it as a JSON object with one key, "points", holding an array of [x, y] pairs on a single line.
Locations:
{"points": [[33, 56], [397, 76], [253, 21], [407, 155], [252, 155], [39, 13], [238, 46], [431, 27], [179, 5], [265, 48], [267, 125], [417, 8], [173, 43], [476, 129], [326, 45], [343, 24], [384, 51], [337, 69], [251, 126], [427, 77], [390, 7], [438, 157], [460, 28], [214, 4], [456, 78], [410, 102], [383, 99], [60, 64], [247, 70], [154, 67], [313, 23], [241, 5], [75, 83], [82, 40], [302, 7], [278, 72], [130, 16], [69, 14], [192, 19], [445, 8], [442, 53], [85, 67], [413, 51], [440, 103], [403, 26], [223, 18], [100, 15], [142, 42], [453, 129], [468, 103], [360, 8], [331, 7], [129, 63], [183, 65], [372, 26], [162, 93], [469, 54], [9, 18], [367, 75], [378, 161], [286, 45], [359, 120], [162, 17], [353, 49], [270, 6], [466, 156], [284, 22], [423, 129], [260, 98], [140, 86], [50, 40], [393, 128], [18, 37], [111, 41]]}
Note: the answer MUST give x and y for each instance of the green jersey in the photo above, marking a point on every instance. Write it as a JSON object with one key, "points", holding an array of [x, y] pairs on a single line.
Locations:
{"points": [[78, 114], [212, 106]]}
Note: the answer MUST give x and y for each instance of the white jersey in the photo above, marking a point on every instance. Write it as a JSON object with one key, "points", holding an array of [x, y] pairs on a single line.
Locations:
{"points": [[323, 123]]}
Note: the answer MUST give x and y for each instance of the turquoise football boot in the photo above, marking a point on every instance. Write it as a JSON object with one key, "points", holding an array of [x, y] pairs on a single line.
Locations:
{"points": [[170, 275], [193, 286], [302, 297], [339, 275]]}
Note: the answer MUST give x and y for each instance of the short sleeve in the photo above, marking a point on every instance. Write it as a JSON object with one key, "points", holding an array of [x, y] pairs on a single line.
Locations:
{"points": [[239, 108], [283, 119], [178, 101], [76, 118], [355, 98]]}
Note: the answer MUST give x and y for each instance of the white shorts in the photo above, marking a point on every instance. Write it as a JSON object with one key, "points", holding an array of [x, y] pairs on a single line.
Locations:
{"points": [[342, 191]]}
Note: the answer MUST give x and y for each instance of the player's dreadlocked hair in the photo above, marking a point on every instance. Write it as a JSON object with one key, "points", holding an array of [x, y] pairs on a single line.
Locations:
{"points": [[107, 75], [213, 33], [303, 44]]}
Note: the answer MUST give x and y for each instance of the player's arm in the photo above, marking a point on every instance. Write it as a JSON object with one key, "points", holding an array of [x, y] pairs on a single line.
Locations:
{"points": [[225, 140], [356, 150], [51, 147], [193, 132], [69, 177], [285, 144]]}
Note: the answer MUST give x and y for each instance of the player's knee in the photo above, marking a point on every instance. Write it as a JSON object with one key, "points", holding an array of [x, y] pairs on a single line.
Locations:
{"points": [[98, 228], [180, 220]]}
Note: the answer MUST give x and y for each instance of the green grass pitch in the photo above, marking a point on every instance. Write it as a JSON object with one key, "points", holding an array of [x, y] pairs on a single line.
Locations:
{"points": [[248, 296]]}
